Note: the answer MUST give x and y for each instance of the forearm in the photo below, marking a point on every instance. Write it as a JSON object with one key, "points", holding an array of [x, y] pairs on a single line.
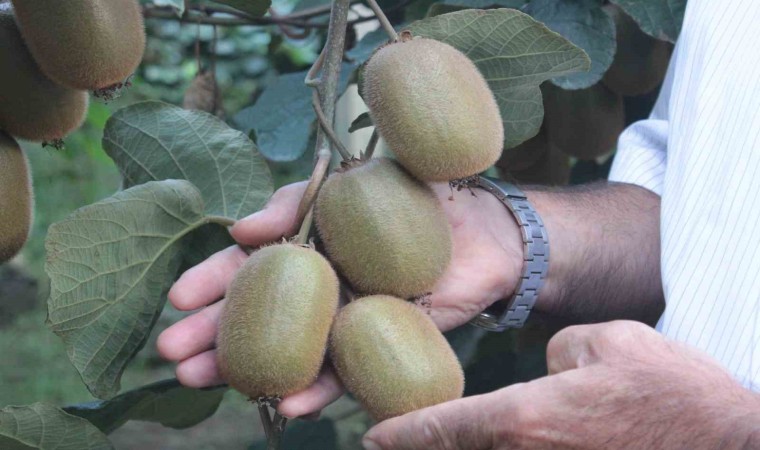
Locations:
{"points": [[605, 252]]}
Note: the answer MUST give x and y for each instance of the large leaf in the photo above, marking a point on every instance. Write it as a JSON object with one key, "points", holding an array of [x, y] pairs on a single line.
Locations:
{"points": [[661, 19], [255, 8], [486, 3], [585, 24], [166, 402], [42, 426], [110, 266], [282, 118], [515, 54], [153, 141]]}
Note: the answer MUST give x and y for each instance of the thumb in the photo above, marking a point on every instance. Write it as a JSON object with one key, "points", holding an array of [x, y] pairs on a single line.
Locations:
{"points": [[457, 424]]}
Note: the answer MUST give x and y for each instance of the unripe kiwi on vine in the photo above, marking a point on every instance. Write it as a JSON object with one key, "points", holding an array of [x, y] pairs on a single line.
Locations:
{"points": [[392, 358], [31, 106], [16, 198], [641, 61], [525, 155], [83, 44], [385, 231], [584, 123], [551, 169], [274, 329], [434, 109]]}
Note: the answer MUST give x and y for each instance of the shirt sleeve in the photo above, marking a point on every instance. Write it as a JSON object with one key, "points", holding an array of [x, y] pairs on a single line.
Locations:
{"points": [[641, 156]]}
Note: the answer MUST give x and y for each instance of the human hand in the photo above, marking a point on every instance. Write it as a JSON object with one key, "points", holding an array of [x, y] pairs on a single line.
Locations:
{"points": [[612, 385], [486, 264]]}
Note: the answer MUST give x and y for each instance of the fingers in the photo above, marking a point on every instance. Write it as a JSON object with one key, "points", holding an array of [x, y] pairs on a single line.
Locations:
{"points": [[457, 424], [273, 222], [192, 335], [199, 371], [583, 345], [208, 281], [324, 391]]}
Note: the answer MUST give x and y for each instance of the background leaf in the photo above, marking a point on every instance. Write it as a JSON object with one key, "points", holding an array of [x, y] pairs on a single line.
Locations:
{"points": [[282, 118], [255, 8], [42, 426], [153, 141], [178, 5], [166, 402], [110, 266], [661, 19], [585, 24], [515, 54]]}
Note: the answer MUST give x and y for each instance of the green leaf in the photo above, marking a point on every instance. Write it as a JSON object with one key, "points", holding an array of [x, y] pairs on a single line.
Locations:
{"points": [[585, 24], [166, 402], [42, 426], [153, 141], [661, 19], [481, 4], [363, 121], [110, 266], [255, 8], [515, 54], [283, 118]]}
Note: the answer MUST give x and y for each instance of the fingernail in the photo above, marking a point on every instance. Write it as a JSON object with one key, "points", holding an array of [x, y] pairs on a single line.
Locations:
{"points": [[369, 444]]}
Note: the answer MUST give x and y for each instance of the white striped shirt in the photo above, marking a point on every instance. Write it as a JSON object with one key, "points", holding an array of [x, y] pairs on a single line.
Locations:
{"points": [[700, 151]]}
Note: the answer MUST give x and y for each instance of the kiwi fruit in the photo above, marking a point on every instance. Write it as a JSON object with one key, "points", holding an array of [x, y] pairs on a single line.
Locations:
{"points": [[274, 329], [434, 109], [525, 155], [203, 94], [392, 358], [583, 123], [551, 169], [31, 106], [83, 44], [641, 61], [385, 231], [16, 200]]}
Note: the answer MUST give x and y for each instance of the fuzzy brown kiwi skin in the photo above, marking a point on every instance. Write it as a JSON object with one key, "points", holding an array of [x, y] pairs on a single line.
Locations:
{"points": [[641, 61], [391, 356], [385, 231], [584, 123], [83, 44], [434, 109], [16, 198], [31, 106], [274, 329]]}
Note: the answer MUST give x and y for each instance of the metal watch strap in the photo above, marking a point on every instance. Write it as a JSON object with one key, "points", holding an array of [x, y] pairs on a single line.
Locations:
{"points": [[513, 314]]}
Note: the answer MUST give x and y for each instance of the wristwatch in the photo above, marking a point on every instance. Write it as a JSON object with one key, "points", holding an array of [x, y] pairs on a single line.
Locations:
{"points": [[513, 314]]}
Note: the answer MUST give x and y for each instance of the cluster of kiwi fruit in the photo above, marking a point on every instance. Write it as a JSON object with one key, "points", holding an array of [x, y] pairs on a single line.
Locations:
{"points": [[385, 232], [585, 123], [52, 52]]}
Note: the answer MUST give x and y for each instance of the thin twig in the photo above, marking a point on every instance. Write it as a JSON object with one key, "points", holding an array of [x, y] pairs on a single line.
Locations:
{"points": [[312, 80], [384, 22], [299, 19], [266, 419], [327, 88], [371, 145], [315, 102], [221, 220], [278, 428], [303, 34]]}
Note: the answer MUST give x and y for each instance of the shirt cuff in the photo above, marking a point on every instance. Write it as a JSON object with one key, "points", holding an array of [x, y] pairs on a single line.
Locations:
{"points": [[641, 157]]}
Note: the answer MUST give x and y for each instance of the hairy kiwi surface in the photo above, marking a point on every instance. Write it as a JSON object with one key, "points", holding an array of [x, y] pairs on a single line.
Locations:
{"points": [[385, 230], [641, 61], [584, 123], [83, 44], [434, 109], [31, 106], [391, 356], [16, 200], [274, 328]]}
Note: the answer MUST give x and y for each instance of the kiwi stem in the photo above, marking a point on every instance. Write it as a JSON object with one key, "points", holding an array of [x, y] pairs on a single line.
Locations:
{"points": [[315, 102], [371, 145], [303, 233], [320, 169], [266, 419], [278, 430], [386, 24], [221, 220], [312, 80]]}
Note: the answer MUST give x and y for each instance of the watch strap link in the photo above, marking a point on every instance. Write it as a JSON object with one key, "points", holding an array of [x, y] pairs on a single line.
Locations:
{"points": [[513, 314]]}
